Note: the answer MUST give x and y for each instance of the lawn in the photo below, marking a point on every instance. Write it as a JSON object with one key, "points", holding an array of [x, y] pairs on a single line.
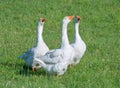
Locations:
{"points": [[99, 28]]}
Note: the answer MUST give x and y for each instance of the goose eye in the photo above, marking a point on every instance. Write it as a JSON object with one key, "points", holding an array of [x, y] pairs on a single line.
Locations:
{"points": [[63, 69], [37, 64]]}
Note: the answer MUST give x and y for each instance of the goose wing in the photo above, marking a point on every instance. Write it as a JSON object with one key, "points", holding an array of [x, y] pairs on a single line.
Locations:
{"points": [[52, 57]]}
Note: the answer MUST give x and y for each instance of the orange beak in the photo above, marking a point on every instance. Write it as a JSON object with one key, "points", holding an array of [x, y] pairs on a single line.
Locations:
{"points": [[42, 19], [78, 17], [33, 69], [70, 17]]}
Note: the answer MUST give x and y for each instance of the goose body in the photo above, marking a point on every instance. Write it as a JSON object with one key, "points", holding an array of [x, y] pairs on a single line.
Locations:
{"points": [[79, 45], [63, 54], [40, 48], [52, 69]]}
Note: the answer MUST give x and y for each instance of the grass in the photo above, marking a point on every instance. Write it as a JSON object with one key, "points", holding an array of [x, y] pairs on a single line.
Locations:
{"points": [[99, 28]]}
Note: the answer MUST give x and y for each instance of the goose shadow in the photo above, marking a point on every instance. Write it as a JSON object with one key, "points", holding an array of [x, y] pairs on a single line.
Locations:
{"points": [[22, 69], [27, 71]]}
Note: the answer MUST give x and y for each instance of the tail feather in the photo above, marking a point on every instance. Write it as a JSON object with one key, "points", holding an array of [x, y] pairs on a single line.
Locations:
{"points": [[23, 56]]}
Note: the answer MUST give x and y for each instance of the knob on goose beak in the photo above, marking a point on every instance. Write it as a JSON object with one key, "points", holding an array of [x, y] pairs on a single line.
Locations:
{"points": [[42, 19], [70, 17], [78, 17]]}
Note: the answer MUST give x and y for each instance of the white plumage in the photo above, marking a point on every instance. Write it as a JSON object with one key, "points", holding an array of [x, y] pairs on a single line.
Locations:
{"points": [[40, 49], [65, 53], [78, 45], [56, 61], [52, 69]]}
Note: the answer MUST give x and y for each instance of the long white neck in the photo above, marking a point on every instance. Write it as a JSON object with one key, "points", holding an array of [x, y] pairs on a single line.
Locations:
{"points": [[39, 38], [64, 41], [77, 36]]}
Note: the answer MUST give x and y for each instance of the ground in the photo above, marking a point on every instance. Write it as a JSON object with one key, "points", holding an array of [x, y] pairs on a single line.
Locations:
{"points": [[99, 28]]}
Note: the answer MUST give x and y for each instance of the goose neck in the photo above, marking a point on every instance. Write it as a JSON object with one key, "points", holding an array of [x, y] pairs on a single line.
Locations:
{"points": [[65, 41], [76, 30], [39, 38]]}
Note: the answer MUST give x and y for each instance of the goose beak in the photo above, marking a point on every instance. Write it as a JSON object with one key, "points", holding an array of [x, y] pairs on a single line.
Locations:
{"points": [[42, 19], [78, 17], [71, 65], [70, 17], [33, 69]]}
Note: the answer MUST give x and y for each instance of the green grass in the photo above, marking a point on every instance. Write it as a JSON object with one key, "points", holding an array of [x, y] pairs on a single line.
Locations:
{"points": [[99, 28]]}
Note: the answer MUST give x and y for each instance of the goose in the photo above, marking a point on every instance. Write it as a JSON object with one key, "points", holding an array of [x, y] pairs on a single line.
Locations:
{"points": [[78, 44], [52, 69], [39, 49], [63, 54]]}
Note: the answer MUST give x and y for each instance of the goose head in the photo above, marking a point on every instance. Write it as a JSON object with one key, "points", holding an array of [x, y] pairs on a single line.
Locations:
{"points": [[76, 19], [61, 68], [41, 21], [67, 19]]}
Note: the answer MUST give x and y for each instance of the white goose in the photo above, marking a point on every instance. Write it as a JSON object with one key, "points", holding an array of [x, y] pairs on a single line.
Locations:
{"points": [[78, 45], [40, 49], [65, 53], [52, 69]]}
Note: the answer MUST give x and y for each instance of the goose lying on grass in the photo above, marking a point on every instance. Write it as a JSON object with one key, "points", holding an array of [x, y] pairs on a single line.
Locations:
{"points": [[51, 69]]}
